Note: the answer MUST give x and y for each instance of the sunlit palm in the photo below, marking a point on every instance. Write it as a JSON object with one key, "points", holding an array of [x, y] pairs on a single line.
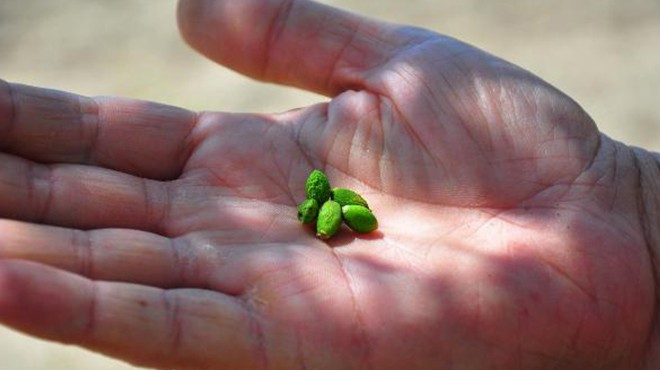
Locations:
{"points": [[504, 240]]}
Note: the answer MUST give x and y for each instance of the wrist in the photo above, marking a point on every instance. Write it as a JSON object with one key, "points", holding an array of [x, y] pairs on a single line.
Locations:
{"points": [[648, 203]]}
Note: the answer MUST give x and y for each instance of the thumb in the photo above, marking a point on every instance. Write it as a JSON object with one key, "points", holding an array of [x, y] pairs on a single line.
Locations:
{"points": [[291, 42]]}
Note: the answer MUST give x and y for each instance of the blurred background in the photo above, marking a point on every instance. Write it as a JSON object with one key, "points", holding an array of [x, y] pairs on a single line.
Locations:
{"points": [[600, 52]]}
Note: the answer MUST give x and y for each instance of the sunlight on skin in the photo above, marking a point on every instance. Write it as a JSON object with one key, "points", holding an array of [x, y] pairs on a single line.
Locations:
{"points": [[509, 237]]}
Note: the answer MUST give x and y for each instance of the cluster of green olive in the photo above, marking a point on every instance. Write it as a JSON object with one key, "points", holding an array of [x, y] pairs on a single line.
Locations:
{"points": [[330, 206]]}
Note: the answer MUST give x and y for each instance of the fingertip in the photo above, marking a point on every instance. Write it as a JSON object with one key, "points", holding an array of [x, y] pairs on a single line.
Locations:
{"points": [[227, 32], [39, 300], [11, 293], [6, 111], [6, 303], [188, 12]]}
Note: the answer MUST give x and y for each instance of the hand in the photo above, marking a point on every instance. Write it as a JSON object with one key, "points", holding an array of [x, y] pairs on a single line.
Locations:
{"points": [[510, 235]]}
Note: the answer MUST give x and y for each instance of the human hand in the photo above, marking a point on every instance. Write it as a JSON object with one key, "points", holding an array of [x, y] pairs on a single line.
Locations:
{"points": [[509, 232]]}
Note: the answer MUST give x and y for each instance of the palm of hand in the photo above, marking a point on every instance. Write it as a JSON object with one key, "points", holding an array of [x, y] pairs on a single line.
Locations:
{"points": [[484, 239], [495, 248]]}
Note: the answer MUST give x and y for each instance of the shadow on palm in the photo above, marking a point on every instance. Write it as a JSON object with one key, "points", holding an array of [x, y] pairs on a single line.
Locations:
{"points": [[171, 238]]}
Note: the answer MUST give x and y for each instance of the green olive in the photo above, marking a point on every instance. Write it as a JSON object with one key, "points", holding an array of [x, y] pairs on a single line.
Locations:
{"points": [[329, 220], [308, 210], [359, 218], [347, 197], [317, 186]]}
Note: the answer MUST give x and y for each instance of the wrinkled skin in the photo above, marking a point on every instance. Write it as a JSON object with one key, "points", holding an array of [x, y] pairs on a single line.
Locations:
{"points": [[510, 231]]}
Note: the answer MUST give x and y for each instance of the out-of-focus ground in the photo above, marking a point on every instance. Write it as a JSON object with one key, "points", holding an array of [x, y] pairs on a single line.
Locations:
{"points": [[603, 53]]}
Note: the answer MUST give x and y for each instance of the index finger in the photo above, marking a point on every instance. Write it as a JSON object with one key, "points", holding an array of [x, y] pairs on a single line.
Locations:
{"points": [[136, 137]]}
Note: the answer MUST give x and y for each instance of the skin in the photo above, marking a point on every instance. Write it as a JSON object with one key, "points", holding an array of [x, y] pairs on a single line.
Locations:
{"points": [[512, 235]]}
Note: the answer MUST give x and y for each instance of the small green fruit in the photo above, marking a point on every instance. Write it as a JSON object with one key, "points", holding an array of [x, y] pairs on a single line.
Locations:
{"points": [[329, 220], [308, 210], [359, 218], [347, 197], [317, 186]]}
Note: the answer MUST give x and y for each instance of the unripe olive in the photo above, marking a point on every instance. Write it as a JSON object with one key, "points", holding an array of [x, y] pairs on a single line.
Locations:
{"points": [[347, 197], [317, 187], [359, 218], [308, 210], [329, 220]]}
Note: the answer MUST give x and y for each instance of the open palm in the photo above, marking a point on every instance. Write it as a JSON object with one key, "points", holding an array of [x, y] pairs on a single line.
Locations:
{"points": [[509, 237]]}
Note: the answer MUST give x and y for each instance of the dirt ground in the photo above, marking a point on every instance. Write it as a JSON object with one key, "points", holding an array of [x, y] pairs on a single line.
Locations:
{"points": [[600, 52]]}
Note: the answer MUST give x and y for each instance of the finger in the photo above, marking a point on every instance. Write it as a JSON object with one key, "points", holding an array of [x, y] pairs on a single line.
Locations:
{"points": [[109, 254], [220, 260], [143, 325], [141, 138], [293, 42], [80, 196]]}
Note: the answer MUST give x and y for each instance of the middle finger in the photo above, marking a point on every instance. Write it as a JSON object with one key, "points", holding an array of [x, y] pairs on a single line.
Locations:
{"points": [[80, 196]]}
